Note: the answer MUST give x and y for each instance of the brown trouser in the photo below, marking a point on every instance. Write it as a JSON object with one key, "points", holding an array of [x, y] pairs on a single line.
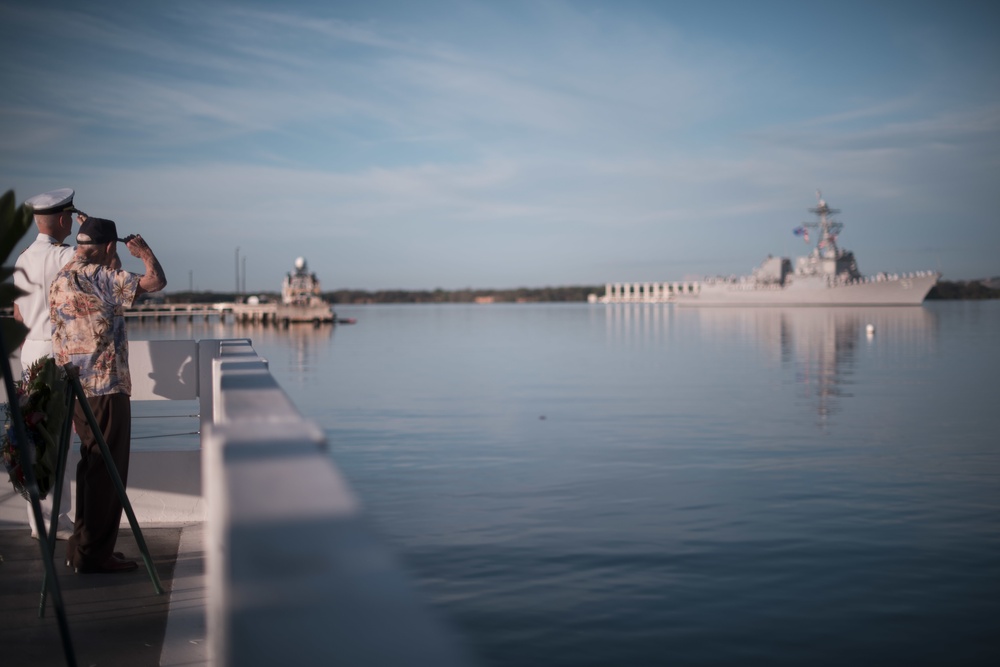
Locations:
{"points": [[98, 507]]}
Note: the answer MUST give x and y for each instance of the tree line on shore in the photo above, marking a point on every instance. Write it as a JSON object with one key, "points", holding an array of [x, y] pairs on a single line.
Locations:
{"points": [[944, 290], [467, 295], [359, 296]]}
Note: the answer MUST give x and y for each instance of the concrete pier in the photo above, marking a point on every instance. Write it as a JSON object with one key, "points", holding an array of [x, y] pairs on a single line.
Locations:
{"points": [[244, 313], [644, 292]]}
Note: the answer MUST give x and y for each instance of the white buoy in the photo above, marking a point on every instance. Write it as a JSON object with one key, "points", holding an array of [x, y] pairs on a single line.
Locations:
{"points": [[870, 329]]}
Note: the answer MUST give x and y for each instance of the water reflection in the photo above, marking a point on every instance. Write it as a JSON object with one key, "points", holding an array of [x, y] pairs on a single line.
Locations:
{"points": [[642, 323], [821, 345]]}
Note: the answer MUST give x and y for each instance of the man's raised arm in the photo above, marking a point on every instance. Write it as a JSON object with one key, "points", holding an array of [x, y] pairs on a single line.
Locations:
{"points": [[154, 280]]}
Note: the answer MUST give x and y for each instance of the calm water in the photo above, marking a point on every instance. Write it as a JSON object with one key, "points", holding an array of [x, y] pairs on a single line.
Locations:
{"points": [[649, 485]]}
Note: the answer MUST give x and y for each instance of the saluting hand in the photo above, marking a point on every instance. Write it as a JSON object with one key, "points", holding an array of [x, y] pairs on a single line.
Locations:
{"points": [[138, 246]]}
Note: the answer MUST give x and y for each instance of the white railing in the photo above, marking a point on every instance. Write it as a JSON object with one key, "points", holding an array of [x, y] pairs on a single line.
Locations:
{"points": [[294, 574]]}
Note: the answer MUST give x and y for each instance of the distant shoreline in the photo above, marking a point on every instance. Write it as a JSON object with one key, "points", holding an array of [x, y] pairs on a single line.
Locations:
{"points": [[944, 290]]}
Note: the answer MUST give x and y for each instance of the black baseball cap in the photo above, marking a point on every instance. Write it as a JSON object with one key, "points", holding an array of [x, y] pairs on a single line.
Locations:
{"points": [[97, 231]]}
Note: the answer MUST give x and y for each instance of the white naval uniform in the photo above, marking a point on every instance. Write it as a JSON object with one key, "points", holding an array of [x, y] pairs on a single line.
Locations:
{"points": [[39, 264]]}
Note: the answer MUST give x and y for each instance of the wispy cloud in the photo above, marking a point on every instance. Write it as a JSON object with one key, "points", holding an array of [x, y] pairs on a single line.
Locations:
{"points": [[625, 133]]}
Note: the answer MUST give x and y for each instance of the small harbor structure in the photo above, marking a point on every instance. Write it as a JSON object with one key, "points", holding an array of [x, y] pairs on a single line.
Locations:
{"points": [[301, 298]]}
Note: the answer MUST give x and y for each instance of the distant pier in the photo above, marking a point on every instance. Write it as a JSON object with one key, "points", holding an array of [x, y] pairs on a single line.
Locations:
{"points": [[240, 312], [263, 313], [644, 292]]}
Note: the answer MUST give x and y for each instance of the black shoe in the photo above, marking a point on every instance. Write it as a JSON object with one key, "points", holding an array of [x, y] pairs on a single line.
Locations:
{"points": [[116, 555], [111, 565]]}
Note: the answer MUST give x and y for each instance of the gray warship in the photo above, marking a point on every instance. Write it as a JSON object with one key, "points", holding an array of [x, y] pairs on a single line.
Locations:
{"points": [[827, 276]]}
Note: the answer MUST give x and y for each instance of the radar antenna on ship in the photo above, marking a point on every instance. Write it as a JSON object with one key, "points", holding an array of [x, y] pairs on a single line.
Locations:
{"points": [[828, 229], [823, 209]]}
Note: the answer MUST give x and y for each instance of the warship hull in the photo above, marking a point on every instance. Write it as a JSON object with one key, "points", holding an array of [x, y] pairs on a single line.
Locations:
{"points": [[907, 290]]}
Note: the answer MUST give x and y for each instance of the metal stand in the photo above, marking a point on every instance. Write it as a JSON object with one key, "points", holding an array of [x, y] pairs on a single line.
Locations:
{"points": [[62, 456], [44, 544], [75, 391]]}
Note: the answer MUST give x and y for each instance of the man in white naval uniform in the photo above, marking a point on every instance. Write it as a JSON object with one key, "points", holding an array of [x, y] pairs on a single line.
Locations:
{"points": [[36, 268]]}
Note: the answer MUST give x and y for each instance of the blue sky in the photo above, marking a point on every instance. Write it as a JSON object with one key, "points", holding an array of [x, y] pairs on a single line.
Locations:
{"points": [[418, 145]]}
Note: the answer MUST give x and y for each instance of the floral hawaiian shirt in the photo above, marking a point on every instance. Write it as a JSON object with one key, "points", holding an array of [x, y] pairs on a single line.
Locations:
{"points": [[86, 306]]}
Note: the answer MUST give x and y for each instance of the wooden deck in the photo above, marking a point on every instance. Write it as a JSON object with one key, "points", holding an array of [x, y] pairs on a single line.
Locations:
{"points": [[114, 619]]}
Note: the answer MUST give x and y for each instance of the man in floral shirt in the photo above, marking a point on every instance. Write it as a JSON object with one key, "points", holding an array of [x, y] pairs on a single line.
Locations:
{"points": [[87, 301]]}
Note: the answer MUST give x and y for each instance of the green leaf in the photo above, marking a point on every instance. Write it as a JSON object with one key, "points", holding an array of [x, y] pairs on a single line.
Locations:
{"points": [[14, 333], [14, 223], [9, 292]]}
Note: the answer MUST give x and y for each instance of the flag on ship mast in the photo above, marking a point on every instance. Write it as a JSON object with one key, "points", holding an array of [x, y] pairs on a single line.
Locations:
{"points": [[803, 232]]}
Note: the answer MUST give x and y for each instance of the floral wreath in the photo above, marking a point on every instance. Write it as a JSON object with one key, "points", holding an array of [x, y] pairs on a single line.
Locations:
{"points": [[41, 397]]}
